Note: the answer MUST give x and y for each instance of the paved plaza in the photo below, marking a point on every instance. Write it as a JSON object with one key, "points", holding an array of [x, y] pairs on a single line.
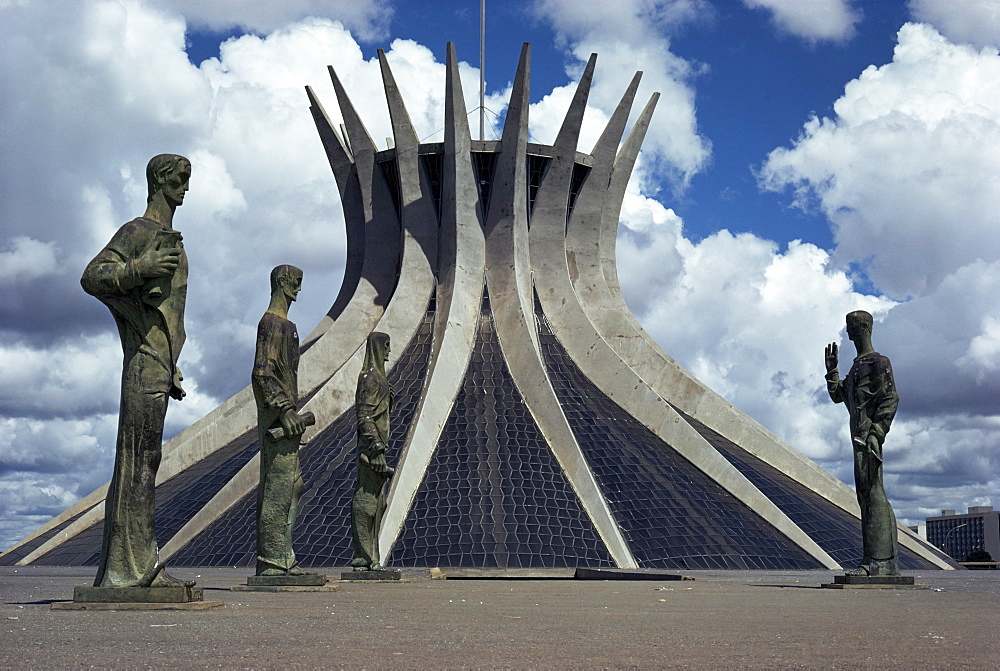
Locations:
{"points": [[722, 619]]}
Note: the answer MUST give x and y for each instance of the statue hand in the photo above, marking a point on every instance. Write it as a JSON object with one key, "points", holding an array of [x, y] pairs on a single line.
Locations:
{"points": [[874, 447], [378, 464], [176, 390], [831, 357], [292, 423], [157, 262]]}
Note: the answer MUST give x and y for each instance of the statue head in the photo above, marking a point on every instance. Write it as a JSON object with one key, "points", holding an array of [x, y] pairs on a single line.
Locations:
{"points": [[377, 351], [286, 279], [858, 322], [169, 174]]}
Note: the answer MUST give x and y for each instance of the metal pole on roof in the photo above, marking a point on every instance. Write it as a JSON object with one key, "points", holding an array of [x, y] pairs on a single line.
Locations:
{"points": [[482, 69]]}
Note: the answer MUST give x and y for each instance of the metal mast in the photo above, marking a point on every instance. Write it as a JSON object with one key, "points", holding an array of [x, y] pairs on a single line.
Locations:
{"points": [[482, 69]]}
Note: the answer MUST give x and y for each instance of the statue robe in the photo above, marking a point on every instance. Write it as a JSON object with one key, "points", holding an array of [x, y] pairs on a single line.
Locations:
{"points": [[150, 319], [869, 392], [275, 388], [373, 402]]}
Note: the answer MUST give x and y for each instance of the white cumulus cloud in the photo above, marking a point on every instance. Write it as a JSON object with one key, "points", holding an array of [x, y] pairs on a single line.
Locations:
{"points": [[812, 20], [628, 36], [976, 22]]}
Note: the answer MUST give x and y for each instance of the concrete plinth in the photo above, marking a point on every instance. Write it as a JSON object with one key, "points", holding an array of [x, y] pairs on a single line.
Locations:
{"points": [[382, 575], [284, 588], [873, 582], [173, 594], [285, 583], [308, 580]]}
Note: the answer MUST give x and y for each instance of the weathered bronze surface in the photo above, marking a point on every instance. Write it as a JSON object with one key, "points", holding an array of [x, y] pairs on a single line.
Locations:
{"points": [[141, 275], [173, 594], [373, 401], [870, 395], [279, 427]]}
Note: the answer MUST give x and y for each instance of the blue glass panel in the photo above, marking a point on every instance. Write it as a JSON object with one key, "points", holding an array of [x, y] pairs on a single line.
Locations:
{"points": [[14, 556], [833, 529], [671, 514], [494, 494]]}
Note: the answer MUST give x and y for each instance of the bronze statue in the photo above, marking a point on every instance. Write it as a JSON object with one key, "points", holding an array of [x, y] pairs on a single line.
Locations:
{"points": [[870, 395], [141, 275], [279, 427], [373, 402]]}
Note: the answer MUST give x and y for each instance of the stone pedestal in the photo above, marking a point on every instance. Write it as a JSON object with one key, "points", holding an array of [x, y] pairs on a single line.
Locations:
{"points": [[381, 575], [310, 582], [178, 597], [873, 582]]}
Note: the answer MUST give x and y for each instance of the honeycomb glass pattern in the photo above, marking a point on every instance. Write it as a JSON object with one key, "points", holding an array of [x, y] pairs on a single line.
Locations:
{"points": [[323, 527], [494, 494], [833, 529], [177, 500], [671, 514]]}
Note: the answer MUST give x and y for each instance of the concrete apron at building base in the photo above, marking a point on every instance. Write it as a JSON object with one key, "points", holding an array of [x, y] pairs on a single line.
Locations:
{"points": [[459, 573]]}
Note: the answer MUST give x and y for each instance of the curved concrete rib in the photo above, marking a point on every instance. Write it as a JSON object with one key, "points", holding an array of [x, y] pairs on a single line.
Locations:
{"points": [[508, 275], [598, 361], [345, 173], [462, 263], [382, 254], [401, 319]]}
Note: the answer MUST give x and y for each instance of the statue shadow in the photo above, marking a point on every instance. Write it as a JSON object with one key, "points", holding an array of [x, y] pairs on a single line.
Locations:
{"points": [[40, 602]]}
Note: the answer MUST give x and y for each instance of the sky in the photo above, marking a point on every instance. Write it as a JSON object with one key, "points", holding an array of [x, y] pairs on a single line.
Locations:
{"points": [[806, 159]]}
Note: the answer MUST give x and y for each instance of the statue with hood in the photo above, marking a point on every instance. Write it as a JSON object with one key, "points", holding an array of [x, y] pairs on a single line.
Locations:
{"points": [[373, 401]]}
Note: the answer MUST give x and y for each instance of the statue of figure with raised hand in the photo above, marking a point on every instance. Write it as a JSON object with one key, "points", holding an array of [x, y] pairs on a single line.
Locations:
{"points": [[141, 275], [869, 393], [373, 402]]}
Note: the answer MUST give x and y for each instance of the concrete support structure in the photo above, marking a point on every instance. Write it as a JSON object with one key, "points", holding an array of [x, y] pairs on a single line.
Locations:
{"points": [[537, 423]]}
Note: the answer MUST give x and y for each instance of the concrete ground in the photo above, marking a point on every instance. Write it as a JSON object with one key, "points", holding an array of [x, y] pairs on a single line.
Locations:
{"points": [[721, 620]]}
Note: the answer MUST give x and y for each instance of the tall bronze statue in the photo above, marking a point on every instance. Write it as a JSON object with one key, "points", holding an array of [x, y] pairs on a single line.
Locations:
{"points": [[373, 402], [870, 395], [279, 427], [141, 275]]}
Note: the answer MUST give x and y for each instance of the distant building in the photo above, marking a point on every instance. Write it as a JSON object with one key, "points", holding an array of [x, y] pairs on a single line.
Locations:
{"points": [[919, 529], [960, 534]]}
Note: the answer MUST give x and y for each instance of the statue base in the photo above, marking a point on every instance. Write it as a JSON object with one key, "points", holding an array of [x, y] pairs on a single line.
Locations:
{"points": [[310, 582], [380, 575], [307, 580], [873, 582], [176, 597]]}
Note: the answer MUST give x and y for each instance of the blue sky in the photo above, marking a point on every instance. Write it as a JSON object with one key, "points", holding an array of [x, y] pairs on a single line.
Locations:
{"points": [[806, 159]]}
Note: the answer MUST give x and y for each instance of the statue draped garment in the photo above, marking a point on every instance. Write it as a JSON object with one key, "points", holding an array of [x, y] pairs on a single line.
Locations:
{"points": [[150, 319], [870, 395], [373, 401], [276, 389]]}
